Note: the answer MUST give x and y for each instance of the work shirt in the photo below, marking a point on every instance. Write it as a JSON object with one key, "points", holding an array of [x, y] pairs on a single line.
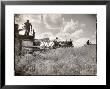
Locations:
{"points": [[27, 26]]}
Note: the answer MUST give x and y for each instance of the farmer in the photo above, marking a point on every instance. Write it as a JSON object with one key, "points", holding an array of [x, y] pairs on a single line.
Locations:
{"points": [[56, 42], [27, 26], [88, 42]]}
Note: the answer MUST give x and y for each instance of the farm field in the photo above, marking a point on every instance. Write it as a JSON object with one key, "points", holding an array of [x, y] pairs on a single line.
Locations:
{"points": [[60, 61]]}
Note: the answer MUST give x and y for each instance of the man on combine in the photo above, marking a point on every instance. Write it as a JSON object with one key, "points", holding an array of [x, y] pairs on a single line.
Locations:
{"points": [[88, 42], [27, 26], [56, 43]]}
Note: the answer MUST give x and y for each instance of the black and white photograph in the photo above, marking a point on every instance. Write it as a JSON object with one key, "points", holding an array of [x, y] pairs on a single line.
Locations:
{"points": [[47, 44], [55, 44]]}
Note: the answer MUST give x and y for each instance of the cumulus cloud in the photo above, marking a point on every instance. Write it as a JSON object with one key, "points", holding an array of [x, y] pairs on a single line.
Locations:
{"points": [[57, 25], [52, 20], [93, 41], [95, 33], [70, 27], [77, 34], [63, 36], [93, 36], [70, 30], [50, 27], [82, 25], [45, 35], [67, 36], [80, 42], [22, 18]]}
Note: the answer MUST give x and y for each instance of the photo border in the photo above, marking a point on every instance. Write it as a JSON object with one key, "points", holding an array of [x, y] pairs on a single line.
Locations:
{"points": [[4, 3]]}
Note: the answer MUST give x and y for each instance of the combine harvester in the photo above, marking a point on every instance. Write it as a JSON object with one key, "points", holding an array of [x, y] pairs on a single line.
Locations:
{"points": [[28, 43]]}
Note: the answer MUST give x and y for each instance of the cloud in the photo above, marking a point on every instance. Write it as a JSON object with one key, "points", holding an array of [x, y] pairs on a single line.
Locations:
{"points": [[22, 18], [70, 31], [57, 25], [93, 36], [95, 32], [77, 34], [45, 35], [70, 27], [80, 42], [52, 20], [67, 36], [82, 25], [63, 36], [93, 41], [50, 27]]}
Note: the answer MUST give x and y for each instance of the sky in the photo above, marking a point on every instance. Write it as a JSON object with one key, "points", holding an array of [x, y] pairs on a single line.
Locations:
{"points": [[78, 27]]}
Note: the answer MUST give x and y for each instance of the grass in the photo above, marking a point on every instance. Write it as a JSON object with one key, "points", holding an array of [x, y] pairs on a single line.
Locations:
{"points": [[60, 61]]}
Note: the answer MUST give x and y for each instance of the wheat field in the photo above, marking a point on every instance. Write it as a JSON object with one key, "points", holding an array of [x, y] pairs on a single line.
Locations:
{"points": [[60, 61]]}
